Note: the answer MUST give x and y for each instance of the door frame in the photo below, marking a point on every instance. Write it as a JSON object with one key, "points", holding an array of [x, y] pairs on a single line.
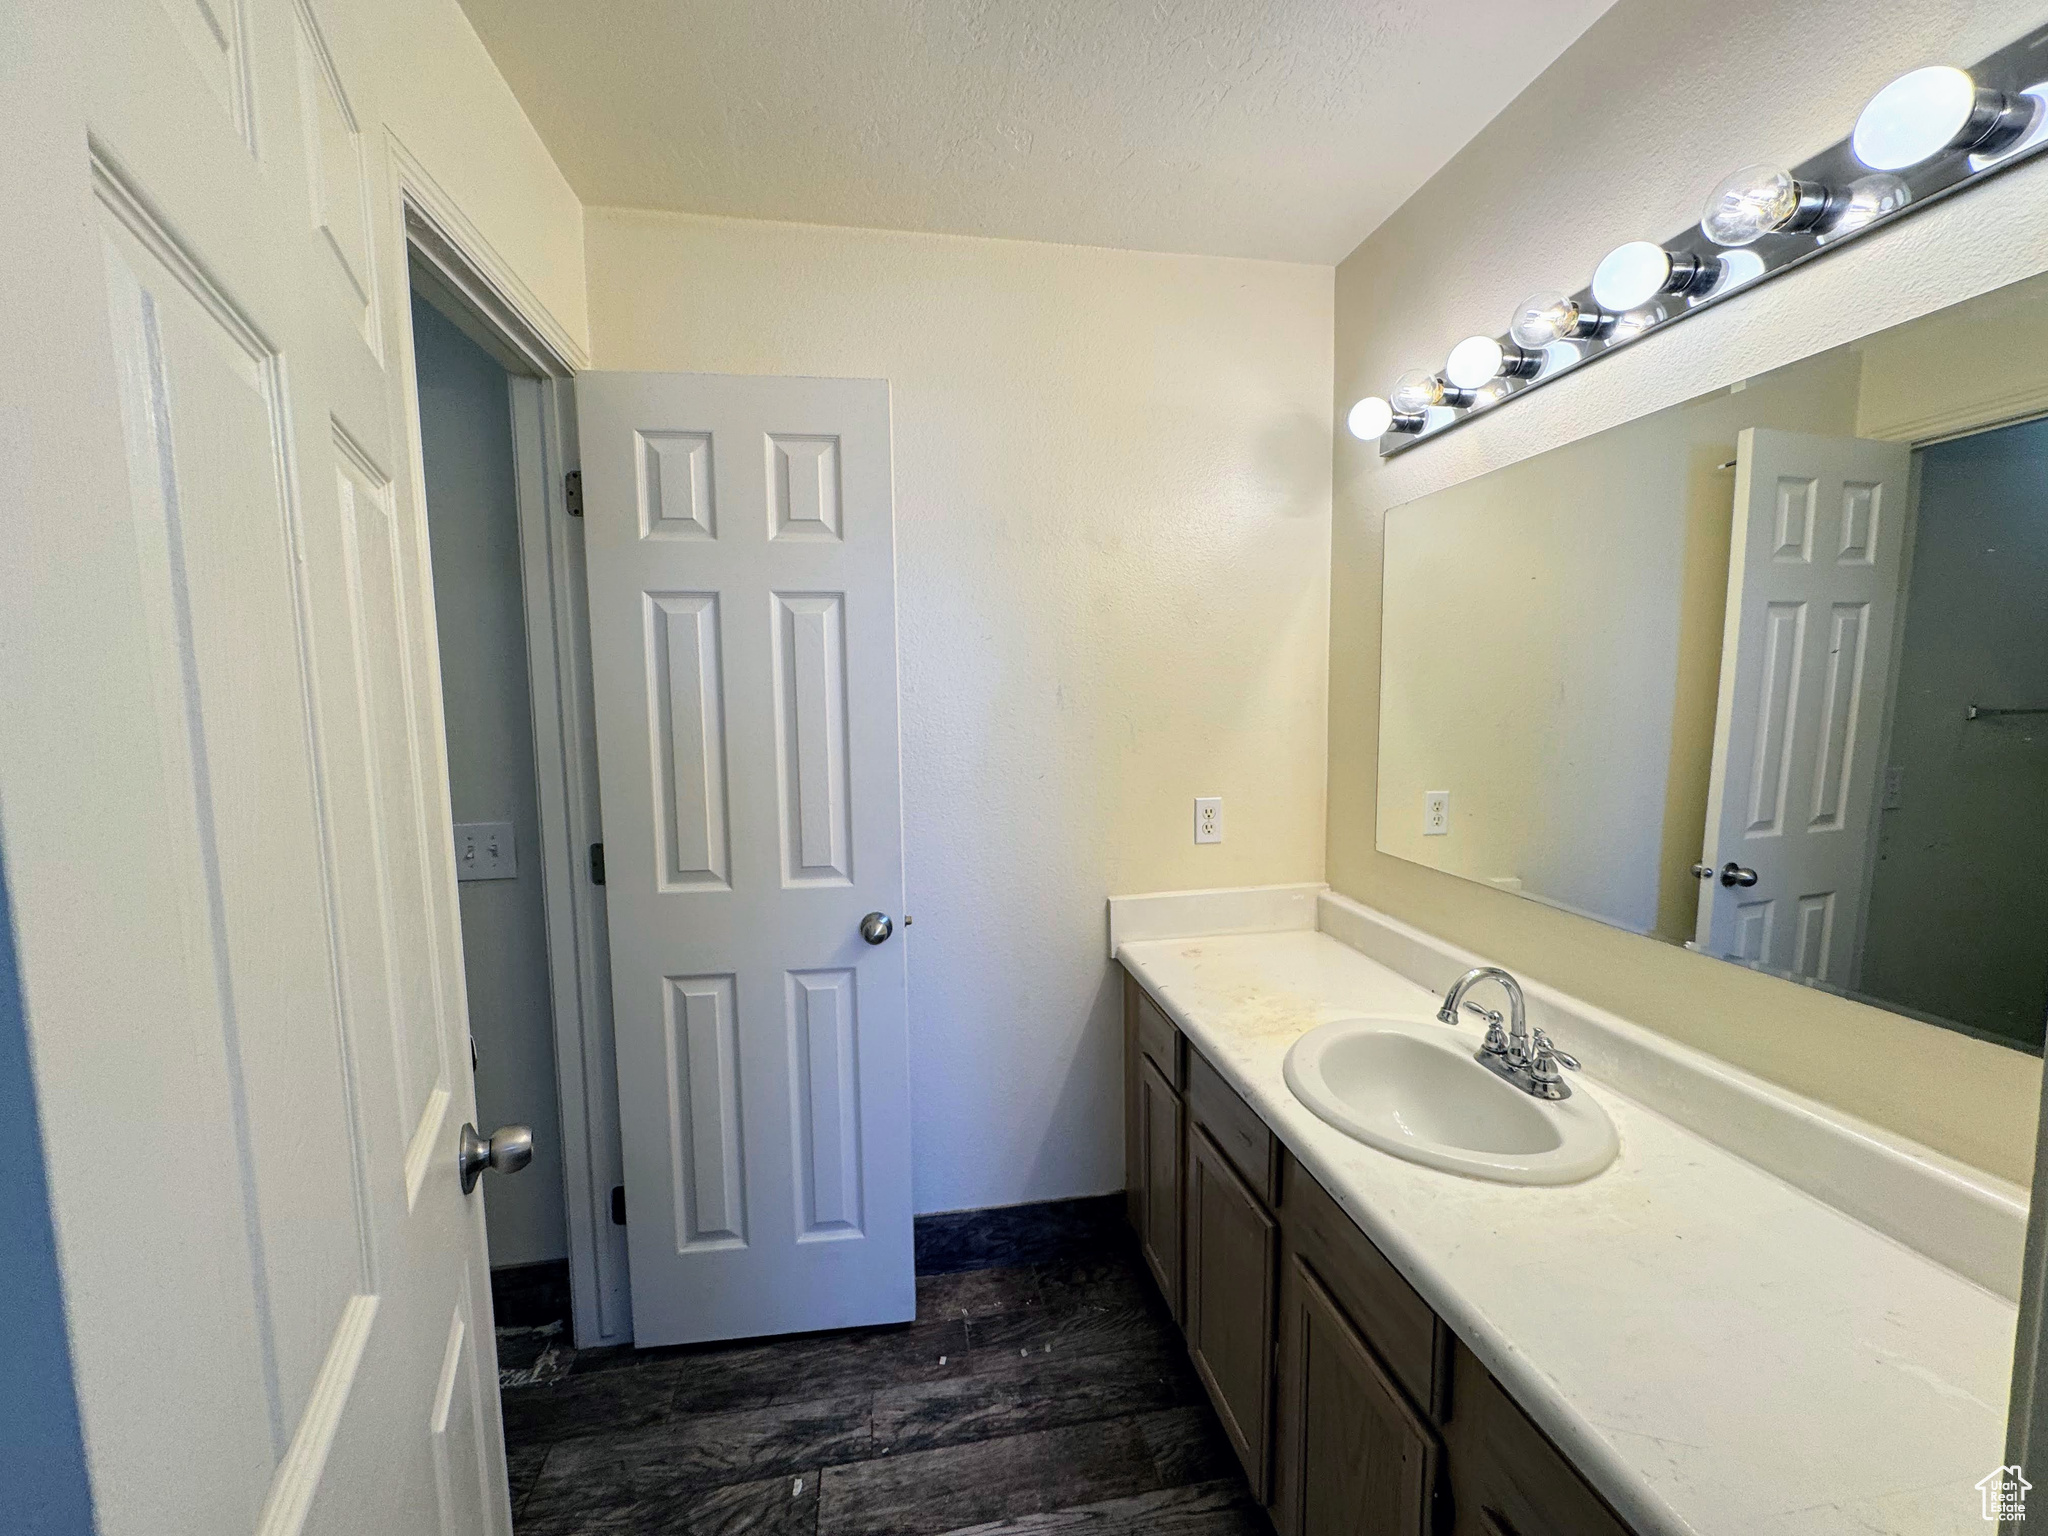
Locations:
{"points": [[452, 266]]}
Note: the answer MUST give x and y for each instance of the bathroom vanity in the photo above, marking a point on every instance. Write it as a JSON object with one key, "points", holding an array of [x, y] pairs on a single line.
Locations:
{"points": [[1683, 1343], [1351, 1404]]}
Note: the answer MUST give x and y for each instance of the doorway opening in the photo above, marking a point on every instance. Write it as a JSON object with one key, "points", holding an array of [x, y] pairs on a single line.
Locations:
{"points": [[487, 711], [495, 419], [1957, 918]]}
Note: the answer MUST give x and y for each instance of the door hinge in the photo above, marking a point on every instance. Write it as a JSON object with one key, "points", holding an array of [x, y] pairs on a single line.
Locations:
{"points": [[572, 492], [618, 1205], [597, 863]]}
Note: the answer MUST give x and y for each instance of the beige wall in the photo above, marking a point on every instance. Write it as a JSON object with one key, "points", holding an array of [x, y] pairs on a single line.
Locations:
{"points": [[1112, 519], [1534, 201], [1959, 369], [419, 75]]}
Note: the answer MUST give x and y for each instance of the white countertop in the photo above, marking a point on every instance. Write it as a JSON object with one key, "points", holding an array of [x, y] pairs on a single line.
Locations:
{"points": [[1720, 1353]]}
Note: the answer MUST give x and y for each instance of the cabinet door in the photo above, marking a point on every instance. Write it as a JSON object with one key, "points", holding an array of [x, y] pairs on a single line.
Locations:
{"points": [[1232, 1252], [1355, 1458], [1157, 1181], [1507, 1479]]}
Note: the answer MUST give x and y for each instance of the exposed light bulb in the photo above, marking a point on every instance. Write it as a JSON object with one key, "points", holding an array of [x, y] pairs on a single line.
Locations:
{"points": [[1631, 275], [1419, 391], [1549, 317], [1477, 360], [1929, 110], [1759, 200], [1373, 417], [1370, 418]]}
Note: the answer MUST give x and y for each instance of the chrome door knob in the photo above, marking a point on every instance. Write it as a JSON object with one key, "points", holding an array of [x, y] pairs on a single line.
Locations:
{"points": [[509, 1150], [1733, 873], [1704, 871], [876, 927]]}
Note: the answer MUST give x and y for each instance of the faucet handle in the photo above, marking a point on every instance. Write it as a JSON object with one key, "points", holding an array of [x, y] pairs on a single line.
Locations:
{"points": [[1496, 1042], [1542, 1046]]}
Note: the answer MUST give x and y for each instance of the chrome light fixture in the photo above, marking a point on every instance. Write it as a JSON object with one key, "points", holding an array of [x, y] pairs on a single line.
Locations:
{"points": [[1373, 417], [1478, 360], [1761, 200], [1631, 275], [1864, 201], [1930, 133], [1921, 114]]}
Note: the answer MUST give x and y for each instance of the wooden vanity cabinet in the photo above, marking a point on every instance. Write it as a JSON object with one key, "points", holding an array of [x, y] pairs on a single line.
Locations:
{"points": [[1232, 1254], [1507, 1479], [1364, 1378], [1154, 1139], [1201, 1174], [1162, 1133], [1355, 1457], [1354, 1409]]}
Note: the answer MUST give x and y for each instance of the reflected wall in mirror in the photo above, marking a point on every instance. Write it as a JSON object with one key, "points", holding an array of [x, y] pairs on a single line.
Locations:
{"points": [[1765, 674]]}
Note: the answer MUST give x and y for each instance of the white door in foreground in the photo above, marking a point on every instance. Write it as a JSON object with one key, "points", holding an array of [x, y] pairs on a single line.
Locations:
{"points": [[743, 635], [1813, 588], [226, 834]]}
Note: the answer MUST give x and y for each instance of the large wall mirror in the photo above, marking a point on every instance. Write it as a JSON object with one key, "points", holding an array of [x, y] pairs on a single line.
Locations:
{"points": [[1764, 674]]}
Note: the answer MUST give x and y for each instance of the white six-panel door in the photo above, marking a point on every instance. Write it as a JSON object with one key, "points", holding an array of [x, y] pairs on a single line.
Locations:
{"points": [[1813, 589], [220, 791], [743, 636]]}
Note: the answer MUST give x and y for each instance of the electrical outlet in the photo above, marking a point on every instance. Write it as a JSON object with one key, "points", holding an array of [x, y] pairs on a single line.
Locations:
{"points": [[484, 851], [1894, 788], [1436, 813], [1209, 819]]}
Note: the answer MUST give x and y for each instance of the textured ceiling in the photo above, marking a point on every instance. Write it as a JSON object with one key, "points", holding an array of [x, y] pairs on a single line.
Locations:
{"points": [[1287, 129]]}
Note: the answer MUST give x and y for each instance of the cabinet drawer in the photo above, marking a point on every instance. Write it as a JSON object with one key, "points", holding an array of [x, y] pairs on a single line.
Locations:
{"points": [[1235, 1127], [1397, 1324], [1158, 1040], [1507, 1479]]}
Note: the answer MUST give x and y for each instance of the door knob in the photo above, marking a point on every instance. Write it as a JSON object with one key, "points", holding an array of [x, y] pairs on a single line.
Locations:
{"points": [[1704, 871], [509, 1150], [1733, 873], [876, 927]]}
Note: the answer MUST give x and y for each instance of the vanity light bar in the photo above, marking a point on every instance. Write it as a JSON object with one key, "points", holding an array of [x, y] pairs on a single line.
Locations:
{"points": [[1927, 135]]}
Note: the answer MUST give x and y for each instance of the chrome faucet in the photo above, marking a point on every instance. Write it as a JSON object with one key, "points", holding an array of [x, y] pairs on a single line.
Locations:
{"points": [[1496, 1042], [1527, 1059]]}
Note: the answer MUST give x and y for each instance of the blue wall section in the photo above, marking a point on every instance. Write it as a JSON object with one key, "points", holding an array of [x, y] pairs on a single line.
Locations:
{"points": [[43, 1486]]}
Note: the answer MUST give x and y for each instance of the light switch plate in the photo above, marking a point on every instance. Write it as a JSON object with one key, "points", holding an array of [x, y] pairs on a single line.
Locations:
{"points": [[484, 851]]}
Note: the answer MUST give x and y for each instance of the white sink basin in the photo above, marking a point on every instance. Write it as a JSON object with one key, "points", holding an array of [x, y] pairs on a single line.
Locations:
{"points": [[1414, 1090]]}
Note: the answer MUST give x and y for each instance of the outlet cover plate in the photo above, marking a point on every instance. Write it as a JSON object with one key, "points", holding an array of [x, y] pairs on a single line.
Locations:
{"points": [[1436, 813]]}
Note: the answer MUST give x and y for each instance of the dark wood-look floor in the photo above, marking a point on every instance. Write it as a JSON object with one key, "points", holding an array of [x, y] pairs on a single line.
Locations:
{"points": [[1044, 1390]]}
